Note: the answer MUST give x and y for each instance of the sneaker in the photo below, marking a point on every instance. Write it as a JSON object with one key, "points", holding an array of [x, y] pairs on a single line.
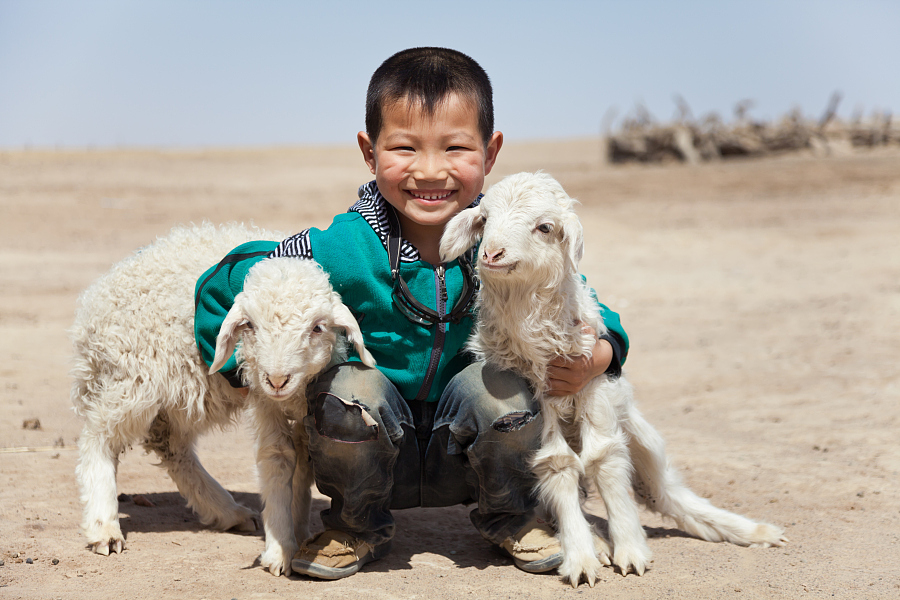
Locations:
{"points": [[334, 555], [534, 548]]}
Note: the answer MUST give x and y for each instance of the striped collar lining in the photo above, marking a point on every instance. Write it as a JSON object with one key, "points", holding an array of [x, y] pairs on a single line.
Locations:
{"points": [[373, 207]]}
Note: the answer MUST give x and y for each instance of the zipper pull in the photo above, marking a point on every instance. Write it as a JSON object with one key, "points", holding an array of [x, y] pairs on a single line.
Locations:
{"points": [[440, 273]]}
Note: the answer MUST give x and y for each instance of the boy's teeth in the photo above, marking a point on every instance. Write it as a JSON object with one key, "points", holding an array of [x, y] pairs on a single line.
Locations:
{"points": [[431, 196]]}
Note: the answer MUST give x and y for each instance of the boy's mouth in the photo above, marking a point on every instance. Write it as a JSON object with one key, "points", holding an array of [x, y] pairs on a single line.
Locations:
{"points": [[430, 195]]}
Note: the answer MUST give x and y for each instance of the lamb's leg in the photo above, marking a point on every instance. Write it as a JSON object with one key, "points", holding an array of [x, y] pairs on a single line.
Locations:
{"points": [[658, 486], [604, 454], [276, 461], [96, 474], [559, 471], [302, 482], [174, 445]]}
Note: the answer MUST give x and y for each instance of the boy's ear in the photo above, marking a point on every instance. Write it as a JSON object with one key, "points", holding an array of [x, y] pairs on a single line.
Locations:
{"points": [[367, 148], [492, 150], [461, 233]]}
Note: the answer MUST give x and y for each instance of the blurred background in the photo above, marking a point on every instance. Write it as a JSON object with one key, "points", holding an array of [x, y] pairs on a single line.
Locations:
{"points": [[226, 73]]}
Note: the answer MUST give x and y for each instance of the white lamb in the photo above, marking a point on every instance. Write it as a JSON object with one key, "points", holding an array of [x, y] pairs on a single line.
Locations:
{"points": [[285, 318], [533, 307], [139, 378]]}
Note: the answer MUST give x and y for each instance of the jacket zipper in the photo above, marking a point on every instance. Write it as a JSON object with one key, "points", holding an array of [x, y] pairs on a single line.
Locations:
{"points": [[438, 347]]}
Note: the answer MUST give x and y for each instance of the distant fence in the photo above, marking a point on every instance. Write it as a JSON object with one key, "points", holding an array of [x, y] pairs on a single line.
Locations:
{"points": [[642, 139]]}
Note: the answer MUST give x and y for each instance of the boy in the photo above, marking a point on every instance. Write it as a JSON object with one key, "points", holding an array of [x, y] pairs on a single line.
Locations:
{"points": [[445, 431]]}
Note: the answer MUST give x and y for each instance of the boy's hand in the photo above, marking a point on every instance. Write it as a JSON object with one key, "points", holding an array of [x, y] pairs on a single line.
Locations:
{"points": [[568, 375]]}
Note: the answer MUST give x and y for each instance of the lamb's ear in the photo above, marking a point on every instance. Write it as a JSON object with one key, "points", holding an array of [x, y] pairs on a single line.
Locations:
{"points": [[235, 322], [573, 239], [344, 319], [461, 233]]}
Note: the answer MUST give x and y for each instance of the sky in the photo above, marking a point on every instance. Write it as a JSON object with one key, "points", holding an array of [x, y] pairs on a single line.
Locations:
{"points": [[188, 73]]}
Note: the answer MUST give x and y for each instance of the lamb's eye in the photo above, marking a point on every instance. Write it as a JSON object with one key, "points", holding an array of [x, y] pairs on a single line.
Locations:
{"points": [[249, 325], [320, 328], [545, 227]]}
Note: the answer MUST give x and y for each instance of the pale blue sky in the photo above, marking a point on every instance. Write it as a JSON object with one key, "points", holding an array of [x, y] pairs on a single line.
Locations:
{"points": [[206, 73]]}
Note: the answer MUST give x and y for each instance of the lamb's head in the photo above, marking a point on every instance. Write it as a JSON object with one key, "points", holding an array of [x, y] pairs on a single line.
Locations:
{"points": [[528, 229], [286, 318]]}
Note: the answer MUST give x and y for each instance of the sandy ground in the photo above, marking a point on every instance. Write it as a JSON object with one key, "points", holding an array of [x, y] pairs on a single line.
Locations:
{"points": [[762, 298]]}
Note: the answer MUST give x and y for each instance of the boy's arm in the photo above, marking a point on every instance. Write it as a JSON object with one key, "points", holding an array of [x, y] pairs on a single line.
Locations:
{"points": [[214, 296], [568, 375], [616, 337]]}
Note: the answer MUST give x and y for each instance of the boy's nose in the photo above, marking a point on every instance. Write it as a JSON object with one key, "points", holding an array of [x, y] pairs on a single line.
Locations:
{"points": [[431, 167]]}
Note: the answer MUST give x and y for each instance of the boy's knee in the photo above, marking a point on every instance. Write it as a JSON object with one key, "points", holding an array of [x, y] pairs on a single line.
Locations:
{"points": [[353, 404], [500, 397], [343, 420]]}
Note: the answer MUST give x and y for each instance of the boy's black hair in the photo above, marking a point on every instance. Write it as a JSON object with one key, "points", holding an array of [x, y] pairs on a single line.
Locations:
{"points": [[426, 76]]}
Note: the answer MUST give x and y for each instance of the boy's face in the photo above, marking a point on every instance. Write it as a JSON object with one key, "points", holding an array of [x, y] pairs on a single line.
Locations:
{"points": [[429, 167]]}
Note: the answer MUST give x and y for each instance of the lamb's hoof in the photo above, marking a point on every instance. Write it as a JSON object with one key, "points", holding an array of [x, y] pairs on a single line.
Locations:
{"points": [[767, 535], [251, 525], [241, 519], [104, 548], [104, 536], [587, 569], [604, 552], [635, 560], [277, 560]]}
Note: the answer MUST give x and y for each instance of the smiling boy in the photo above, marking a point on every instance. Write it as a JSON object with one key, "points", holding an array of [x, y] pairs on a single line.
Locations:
{"points": [[427, 427], [429, 163]]}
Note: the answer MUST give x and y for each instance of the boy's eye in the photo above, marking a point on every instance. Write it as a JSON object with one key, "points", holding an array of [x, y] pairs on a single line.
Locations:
{"points": [[456, 148], [405, 148]]}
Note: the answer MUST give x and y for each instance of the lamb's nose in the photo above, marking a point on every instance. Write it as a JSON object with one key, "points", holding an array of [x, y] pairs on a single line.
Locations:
{"points": [[494, 256], [278, 381]]}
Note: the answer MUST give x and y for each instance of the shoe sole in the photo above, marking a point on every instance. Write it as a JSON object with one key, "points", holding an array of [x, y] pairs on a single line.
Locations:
{"points": [[304, 567], [535, 566], [540, 566]]}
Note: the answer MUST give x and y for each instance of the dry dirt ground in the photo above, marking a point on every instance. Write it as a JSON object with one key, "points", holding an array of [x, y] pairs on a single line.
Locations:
{"points": [[763, 302]]}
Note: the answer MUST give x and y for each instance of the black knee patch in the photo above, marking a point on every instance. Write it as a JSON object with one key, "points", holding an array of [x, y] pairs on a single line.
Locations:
{"points": [[513, 421], [343, 421]]}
